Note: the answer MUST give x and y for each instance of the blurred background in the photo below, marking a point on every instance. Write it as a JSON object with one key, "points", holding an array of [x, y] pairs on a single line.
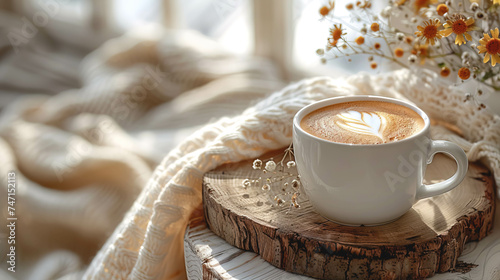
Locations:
{"points": [[44, 40], [95, 93]]}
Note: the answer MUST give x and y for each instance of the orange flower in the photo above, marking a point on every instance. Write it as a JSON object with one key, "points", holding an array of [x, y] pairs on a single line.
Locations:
{"points": [[422, 51], [349, 6], [445, 71], [399, 52], [332, 43], [375, 27], [419, 4], [336, 32], [325, 10], [460, 26], [360, 40], [373, 65], [490, 46], [442, 9], [464, 73], [366, 4], [377, 46], [430, 31]]}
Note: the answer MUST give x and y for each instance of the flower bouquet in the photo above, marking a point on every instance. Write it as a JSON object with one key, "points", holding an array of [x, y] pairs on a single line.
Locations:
{"points": [[457, 39]]}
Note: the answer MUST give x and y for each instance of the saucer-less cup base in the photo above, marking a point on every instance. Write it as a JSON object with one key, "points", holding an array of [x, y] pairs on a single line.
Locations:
{"points": [[369, 184], [360, 225]]}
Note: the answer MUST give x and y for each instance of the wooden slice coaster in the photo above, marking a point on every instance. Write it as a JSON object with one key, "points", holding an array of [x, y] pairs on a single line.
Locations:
{"points": [[426, 240]]}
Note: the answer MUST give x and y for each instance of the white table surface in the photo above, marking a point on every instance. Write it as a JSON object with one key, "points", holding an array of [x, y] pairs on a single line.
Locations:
{"points": [[228, 262]]}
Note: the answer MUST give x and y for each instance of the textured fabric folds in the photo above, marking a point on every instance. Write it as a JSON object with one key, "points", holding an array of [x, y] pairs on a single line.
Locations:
{"points": [[109, 174]]}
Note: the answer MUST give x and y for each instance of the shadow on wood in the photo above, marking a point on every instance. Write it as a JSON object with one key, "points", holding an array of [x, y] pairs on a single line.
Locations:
{"points": [[426, 240]]}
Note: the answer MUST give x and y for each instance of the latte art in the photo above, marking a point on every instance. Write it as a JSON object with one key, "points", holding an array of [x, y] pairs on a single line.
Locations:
{"points": [[363, 122]]}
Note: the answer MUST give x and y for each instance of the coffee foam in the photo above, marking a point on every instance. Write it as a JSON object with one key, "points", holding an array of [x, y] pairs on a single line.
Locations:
{"points": [[363, 122]]}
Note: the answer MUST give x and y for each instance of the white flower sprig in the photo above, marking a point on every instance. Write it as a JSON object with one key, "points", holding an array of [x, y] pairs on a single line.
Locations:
{"points": [[277, 180]]}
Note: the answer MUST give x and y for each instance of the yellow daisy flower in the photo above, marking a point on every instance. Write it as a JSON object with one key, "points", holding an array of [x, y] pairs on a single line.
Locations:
{"points": [[459, 25], [430, 31], [490, 46]]}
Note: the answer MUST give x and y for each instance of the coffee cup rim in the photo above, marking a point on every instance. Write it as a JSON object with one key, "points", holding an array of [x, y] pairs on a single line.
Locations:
{"points": [[342, 99]]}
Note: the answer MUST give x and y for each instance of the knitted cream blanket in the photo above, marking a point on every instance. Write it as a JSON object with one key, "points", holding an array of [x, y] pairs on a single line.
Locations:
{"points": [[82, 158]]}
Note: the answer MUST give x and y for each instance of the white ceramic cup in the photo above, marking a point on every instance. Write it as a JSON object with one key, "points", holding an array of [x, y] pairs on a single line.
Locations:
{"points": [[356, 184]]}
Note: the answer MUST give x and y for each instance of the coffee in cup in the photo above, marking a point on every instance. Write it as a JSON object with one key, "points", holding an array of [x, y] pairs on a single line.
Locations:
{"points": [[362, 159], [363, 122]]}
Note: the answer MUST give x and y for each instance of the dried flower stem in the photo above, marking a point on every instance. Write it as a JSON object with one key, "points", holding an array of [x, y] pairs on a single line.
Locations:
{"points": [[279, 184], [461, 36]]}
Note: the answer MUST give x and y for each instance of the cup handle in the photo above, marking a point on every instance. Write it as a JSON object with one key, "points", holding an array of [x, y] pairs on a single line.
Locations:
{"points": [[460, 157]]}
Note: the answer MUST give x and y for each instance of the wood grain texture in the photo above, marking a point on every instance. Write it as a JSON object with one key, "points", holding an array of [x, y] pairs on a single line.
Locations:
{"points": [[209, 257], [426, 240], [206, 252]]}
